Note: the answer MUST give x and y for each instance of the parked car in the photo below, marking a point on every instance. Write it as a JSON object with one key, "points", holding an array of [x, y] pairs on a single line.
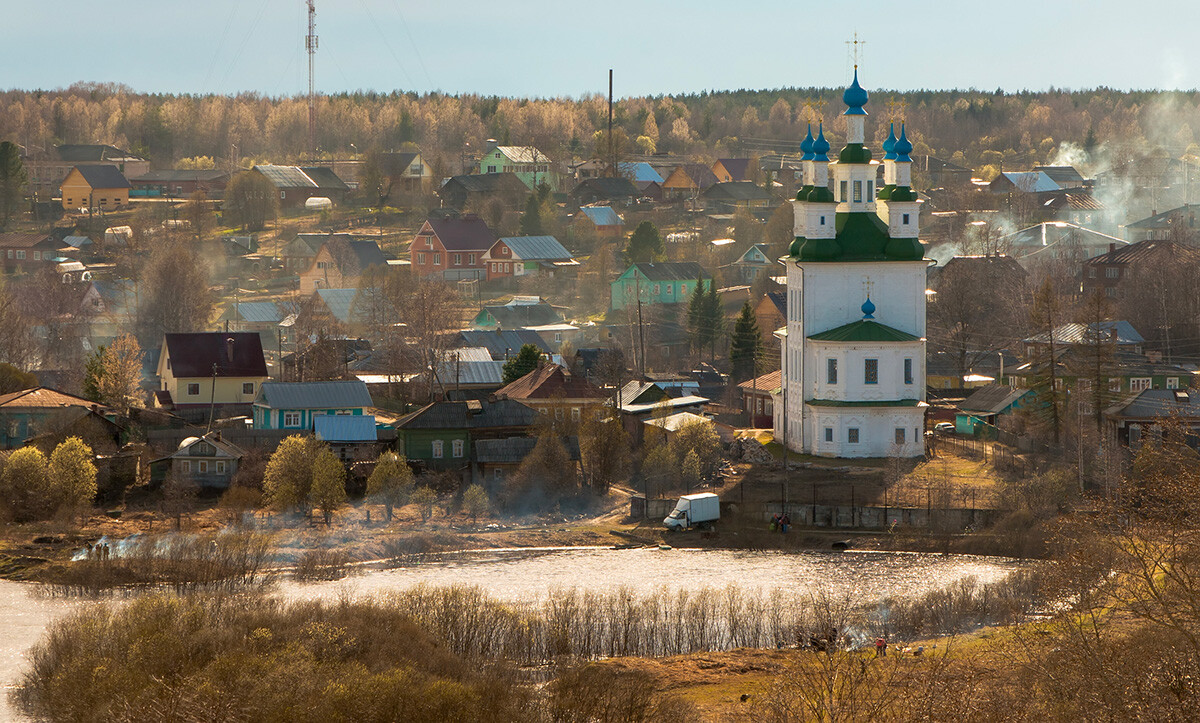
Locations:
{"points": [[944, 427]]}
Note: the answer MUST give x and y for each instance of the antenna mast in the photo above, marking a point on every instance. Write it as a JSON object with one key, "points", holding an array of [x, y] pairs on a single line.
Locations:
{"points": [[310, 44]]}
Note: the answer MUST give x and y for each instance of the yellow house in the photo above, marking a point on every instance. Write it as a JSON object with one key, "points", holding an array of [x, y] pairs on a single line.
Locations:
{"points": [[95, 187], [191, 364]]}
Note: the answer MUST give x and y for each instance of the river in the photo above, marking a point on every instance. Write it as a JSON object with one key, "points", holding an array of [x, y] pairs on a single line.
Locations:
{"points": [[530, 574]]}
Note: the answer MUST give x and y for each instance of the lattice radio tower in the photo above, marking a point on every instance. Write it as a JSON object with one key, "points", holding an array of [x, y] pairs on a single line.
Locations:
{"points": [[310, 44]]}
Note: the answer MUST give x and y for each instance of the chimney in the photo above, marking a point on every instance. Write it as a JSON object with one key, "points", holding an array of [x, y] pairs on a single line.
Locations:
{"points": [[229, 349], [1112, 247]]}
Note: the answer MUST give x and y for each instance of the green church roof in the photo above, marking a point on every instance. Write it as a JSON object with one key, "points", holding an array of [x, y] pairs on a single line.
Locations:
{"points": [[864, 330], [839, 403], [855, 153], [861, 236]]}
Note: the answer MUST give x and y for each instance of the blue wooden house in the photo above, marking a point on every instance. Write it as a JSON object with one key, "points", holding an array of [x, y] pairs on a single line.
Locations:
{"points": [[295, 405]]}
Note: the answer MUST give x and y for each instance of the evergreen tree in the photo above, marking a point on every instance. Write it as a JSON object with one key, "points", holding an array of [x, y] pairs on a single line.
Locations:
{"points": [[12, 181], [524, 362], [695, 317], [746, 345], [714, 318], [93, 373], [645, 245], [531, 220]]}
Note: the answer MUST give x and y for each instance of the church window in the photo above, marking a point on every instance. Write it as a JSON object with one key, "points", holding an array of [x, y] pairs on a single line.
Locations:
{"points": [[870, 189], [905, 219], [899, 435], [829, 434], [822, 220], [908, 371], [831, 371], [842, 191], [870, 371], [852, 435], [858, 191]]}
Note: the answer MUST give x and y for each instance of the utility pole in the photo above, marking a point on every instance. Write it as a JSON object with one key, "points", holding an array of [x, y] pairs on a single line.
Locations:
{"points": [[641, 337], [612, 146], [310, 44]]}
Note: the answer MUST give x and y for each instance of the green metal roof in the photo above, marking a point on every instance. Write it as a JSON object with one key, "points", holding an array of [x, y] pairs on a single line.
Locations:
{"points": [[839, 403], [861, 236], [855, 153], [864, 330]]}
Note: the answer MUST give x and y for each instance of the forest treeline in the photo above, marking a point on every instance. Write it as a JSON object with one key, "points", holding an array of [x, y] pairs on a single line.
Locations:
{"points": [[970, 127]]}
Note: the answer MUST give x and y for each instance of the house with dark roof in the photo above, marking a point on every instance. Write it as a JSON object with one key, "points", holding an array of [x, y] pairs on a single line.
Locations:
{"points": [[980, 411], [1127, 371], [657, 283], [297, 184], [1145, 413], [736, 194], [29, 412], [1115, 272], [603, 220], [520, 256], [26, 252], [731, 169], [1064, 176], [297, 254], [1078, 207], [340, 263], [1177, 224], [95, 187], [407, 172], [502, 343], [47, 170], [297, 405], [444, 435], [452, 248], [179, 183], [553, 390], [474, 191], [207, 461], [942, 173], [223, 369], [519, 313], [604, 189]]}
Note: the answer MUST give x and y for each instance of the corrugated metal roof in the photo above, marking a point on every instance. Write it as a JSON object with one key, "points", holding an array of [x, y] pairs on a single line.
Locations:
{"points": [[602, 215], [482, 373], [1032, 181], [286, 176], [992, 399], [523, 154], [345, 428], [677, 421], [515, 449], [42, 397], [470, 353], [258, 312], [340, 302], [640, 172], [1076, 333], [458, 415], [671, 271], [314, 395], [500, 342], [536, 248]]}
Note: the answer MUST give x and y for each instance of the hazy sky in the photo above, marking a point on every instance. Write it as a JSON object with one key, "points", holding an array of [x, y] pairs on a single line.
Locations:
{"points": [[552, 48]]}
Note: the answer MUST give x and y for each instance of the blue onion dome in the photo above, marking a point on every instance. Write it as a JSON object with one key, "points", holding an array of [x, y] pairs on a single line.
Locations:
{"points": [[868, 309], [903, 146], [889, 145], [821, 146], [855, 97], [806, 145]]}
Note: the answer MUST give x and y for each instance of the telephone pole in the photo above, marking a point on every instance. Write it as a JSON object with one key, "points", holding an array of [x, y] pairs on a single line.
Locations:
{"points": [[310, 44], [612, 145]]}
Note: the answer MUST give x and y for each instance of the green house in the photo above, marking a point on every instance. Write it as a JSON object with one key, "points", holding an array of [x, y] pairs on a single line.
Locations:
{"points": [[443, 435], [526, 162], [661, 283]]}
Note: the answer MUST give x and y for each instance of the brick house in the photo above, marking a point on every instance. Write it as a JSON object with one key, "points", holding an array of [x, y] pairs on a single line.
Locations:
{"points": [[26, 252], [452, 248]]}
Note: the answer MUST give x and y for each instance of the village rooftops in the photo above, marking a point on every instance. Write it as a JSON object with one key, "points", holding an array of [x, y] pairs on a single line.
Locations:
{"points": [[992, 399], [549, 382], [314, 395], [222, 354], [42, 398], [297, 177], [672, 271], [467, 233], [93, 153], [601, 215], [103, 176], [469, 415]]}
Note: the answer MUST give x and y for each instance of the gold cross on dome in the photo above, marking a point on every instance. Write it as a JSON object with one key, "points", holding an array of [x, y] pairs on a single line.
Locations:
{"points": [[892, 105], [867, 284], [853, 49]]}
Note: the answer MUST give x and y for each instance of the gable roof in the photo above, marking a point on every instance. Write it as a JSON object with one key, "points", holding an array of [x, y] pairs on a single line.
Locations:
{"points": [[469, 415], [181, 174], [763, 249], [324, 178], [103, 176], [671, 271], [213, 438], [23, 240], [340, 302], [256, 312], [313, 395], [194, 355], [42, 398], [466, 233], [1157, 403], [1166, 219], [701, 175], [1048, 233], [1146, 250], [864, 330], [1076, 333], [345, 427], [737, 167], [638, 391], [766, 383], [639, 172], [1064, 176], [736, 191], [352, 255], [502, 342], [306, 177], [992, 399], [548, 382], [514, 450], [779, 299], [602, 215], [477, 373], [92, 153], [523, 154], [513, 316], [1031, 181], [606, 187], [536, 248], [306, 244], [489, 183], [397, 164]]}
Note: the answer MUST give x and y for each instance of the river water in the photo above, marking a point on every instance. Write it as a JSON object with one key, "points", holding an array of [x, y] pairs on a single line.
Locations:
{"points": [[531, 574]]}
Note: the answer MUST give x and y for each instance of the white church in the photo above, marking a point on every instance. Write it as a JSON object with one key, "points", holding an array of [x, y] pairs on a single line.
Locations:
{"points": [[854, 351]]}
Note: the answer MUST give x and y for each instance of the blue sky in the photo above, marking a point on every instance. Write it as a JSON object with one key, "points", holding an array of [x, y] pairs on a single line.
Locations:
{"points": [[543, 48]]}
